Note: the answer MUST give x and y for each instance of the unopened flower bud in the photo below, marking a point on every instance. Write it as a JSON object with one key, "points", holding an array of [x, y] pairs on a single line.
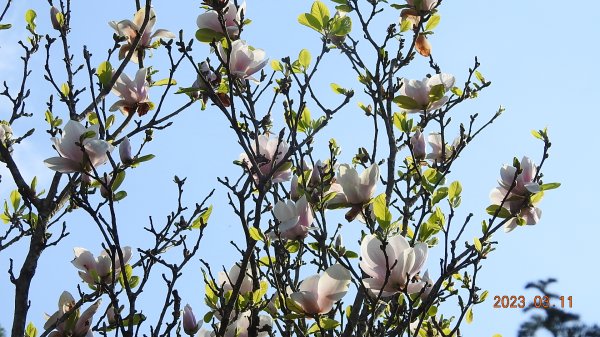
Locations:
{"points": [[294, 189], [423, 46], [190, 325], [125, 152], [417, 143], [338, 244], [57, 18]]}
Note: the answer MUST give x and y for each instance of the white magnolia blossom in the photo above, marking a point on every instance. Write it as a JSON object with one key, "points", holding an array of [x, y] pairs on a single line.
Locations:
{"points": [[419, 91], [133, 94], [354, 189], [94, 270], [403, 264], [417, 141], [435, 142], [295, 218], [130, 29], [517, 202], [77, 326], [239, 327], [271, 150], [228, 280], [245, 60], [232, 18], [318, 293], [125, 151], [73, 158]]}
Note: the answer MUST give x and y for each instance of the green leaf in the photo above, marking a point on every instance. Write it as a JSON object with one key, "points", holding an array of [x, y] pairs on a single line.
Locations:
{"points": [[137, 319], [266, 261], [310, 21], [549, 186], [256, 234], [407, 103], [30, 330], [477, 244], [341, 26], [276, 65], [202, 220], [382, 212], [164, 81], [292, 246], [432, 311], [439, 194], [4, 26], [208, 317], [337, 89], [479, 76], [30, 16], [110, 120], [455, 189], [328, 323], [537, 197], [305, 121], [457, 91], [436, 93], [350, 254], [208, 35], [144, 158], [104, 72], [304, 58], [502, 213], [406, 25], [469, 316], [483, 296], [15, 199], [433, 21], [87, 134], [537, 134], [5, 218], [120, 196], [433, 176], [320, 11]]}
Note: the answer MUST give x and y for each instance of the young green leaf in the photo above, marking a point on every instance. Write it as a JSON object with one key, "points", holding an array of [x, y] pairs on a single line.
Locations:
{"points": [[304, 58], [104, 72], [433, 21]]}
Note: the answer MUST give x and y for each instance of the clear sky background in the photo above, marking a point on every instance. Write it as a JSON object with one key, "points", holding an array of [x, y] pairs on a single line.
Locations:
{"points": [[540, 56]]}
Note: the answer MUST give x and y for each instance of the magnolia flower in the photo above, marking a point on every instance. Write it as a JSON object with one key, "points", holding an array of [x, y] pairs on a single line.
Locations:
{"points": [[318, 293], [427, 286], [228, 280], [419, 91], [130, 30], [403, 263], [294, 189], [273, 151], [412, 16], [78, 154], [76, 325], [207, 82], [435, 142], [56, 18], [232, 17], [417, 142], [95, 270], [5, 136], [423, 46], [295, 219], [125, 151], [190, 324], [424, 5], [244, 61], [518, 201], [354, 189], [133, 94]]}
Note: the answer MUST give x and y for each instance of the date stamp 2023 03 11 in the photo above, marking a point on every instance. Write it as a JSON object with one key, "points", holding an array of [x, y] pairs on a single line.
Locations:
{"points": [[538, 302]]}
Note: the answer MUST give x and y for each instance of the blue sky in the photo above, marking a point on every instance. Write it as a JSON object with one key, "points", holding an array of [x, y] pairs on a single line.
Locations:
{"points": [[538, 54]]}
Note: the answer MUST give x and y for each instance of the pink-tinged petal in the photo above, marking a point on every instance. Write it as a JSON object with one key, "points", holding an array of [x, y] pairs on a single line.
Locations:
{"points": [[285, 211], [96, 150], [310, 284], [128, 29], [126, 255], [507, 175], [398, 244], [531, 215], [138, 18], [533, 187], [529, 169], [84, 260], [375, 286], [372, 258], [104, 266], [209, 20], [140, 79], [333, 285], [282, 176], [415, 287], [84, 323], [125, 151], [421, 252], [349, 179], [403, 264], [307, 301], [368, 182], [86, 277], [62, 165], [437, 104], [163, 34], [510, 225]]}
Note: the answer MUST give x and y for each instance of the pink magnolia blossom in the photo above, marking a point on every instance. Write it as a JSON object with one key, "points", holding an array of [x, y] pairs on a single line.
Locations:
{"points": [[245, 60], [228, 280], [424, 5], [271, 150], [232, 18], [417, 142], [125, 151], [518, 201], [133, 94], [318, 293], [295, 218], [94, 270], [77, 325], [190, 324], [354, 189], [435, 142], [419, 91], [403, 263], [73, 158], [130, 30]]}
